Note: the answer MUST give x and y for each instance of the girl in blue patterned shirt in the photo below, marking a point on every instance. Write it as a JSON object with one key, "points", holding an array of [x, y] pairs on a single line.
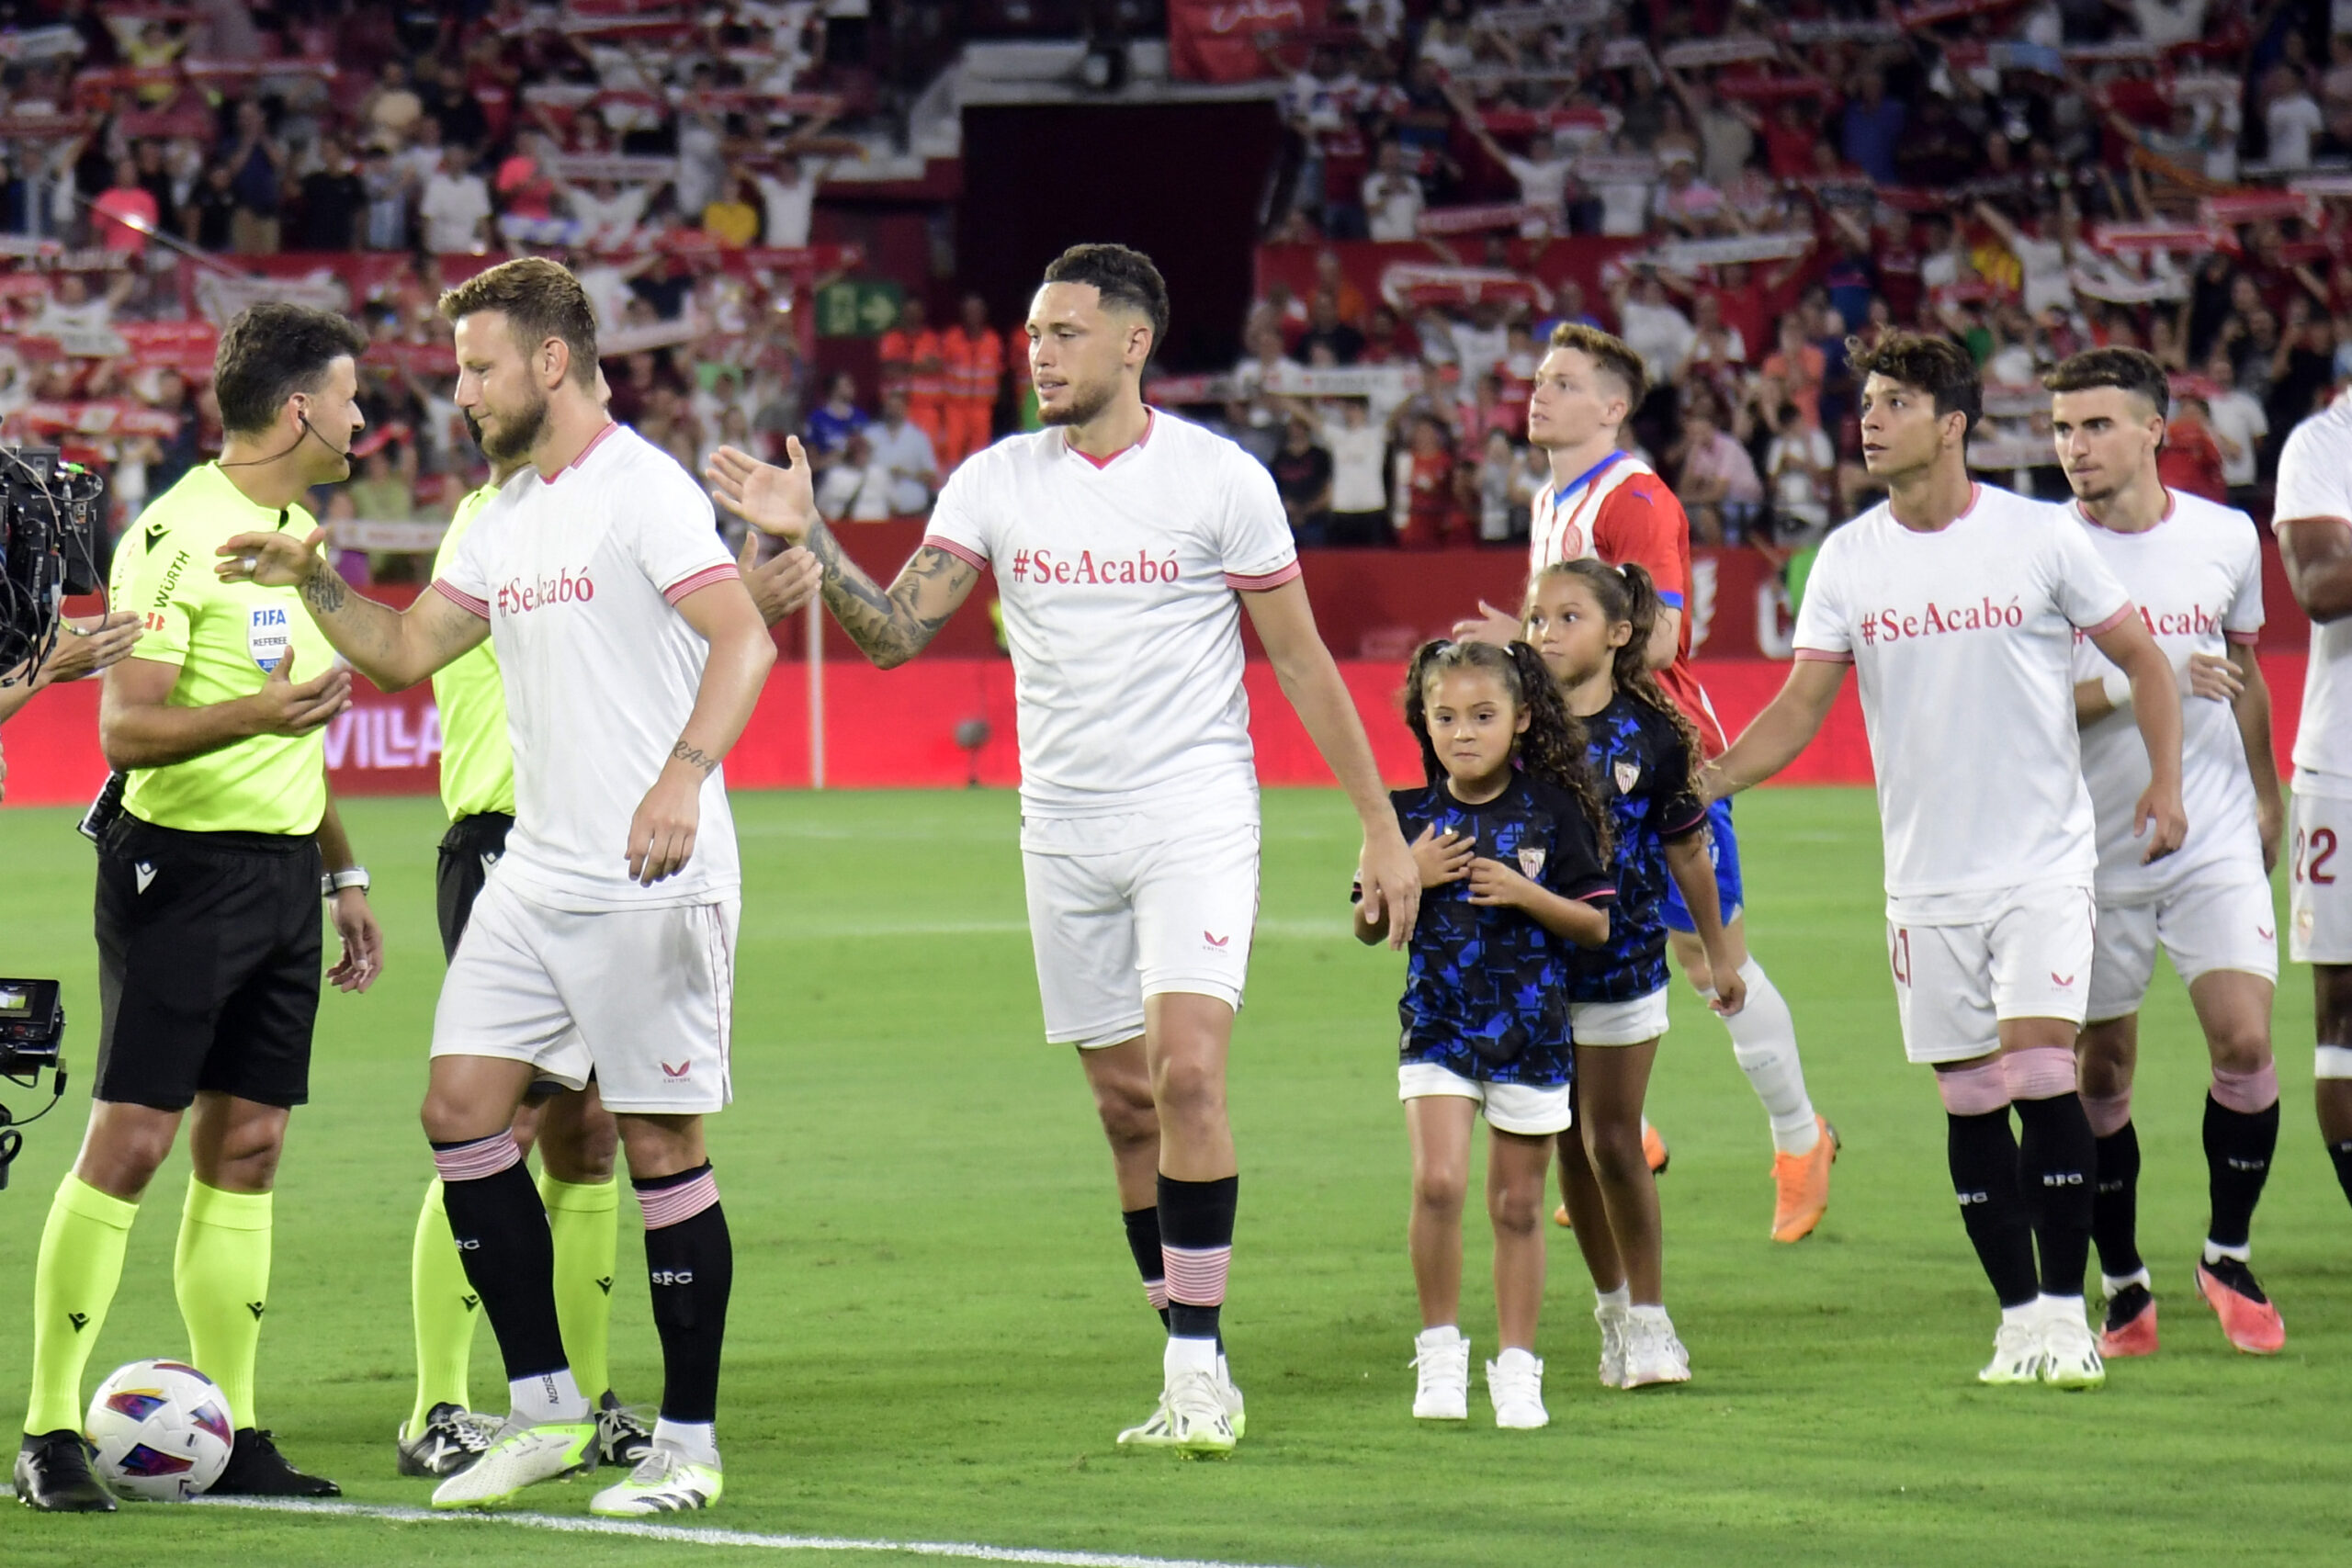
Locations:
{"points": [[1509, 833]]}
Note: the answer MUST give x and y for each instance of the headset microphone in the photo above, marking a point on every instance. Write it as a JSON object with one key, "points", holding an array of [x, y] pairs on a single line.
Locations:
{"points": [[344, 453]]}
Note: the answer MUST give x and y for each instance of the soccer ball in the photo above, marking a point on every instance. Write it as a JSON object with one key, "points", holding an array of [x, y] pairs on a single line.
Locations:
{"points": [[161, 1429]]}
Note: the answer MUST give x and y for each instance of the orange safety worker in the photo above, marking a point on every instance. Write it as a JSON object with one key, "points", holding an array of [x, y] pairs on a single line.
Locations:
{"points": [[974, 359]]}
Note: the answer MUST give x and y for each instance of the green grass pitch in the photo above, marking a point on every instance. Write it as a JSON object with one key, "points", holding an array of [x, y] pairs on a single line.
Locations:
{"points": [[936, 1330]]}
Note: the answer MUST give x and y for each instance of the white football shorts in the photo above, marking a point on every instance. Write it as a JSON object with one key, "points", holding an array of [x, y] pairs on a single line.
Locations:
{"points": [[1619, 1023], [2219, 918], [1129, 906], [644, 998], [1528, 1109], [1954, 984], [2319, 881]]}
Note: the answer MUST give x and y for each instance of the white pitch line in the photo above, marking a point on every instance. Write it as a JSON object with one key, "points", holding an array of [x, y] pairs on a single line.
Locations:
{"points": [[969, 1551]]}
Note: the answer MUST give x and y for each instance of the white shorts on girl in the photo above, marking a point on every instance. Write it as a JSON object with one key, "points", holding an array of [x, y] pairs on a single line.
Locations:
{"points": [[1528, 1109], [2319, 879], [1635, 1023], [643, 998], [1125, 907], [2221, 917], [1954, 984]]}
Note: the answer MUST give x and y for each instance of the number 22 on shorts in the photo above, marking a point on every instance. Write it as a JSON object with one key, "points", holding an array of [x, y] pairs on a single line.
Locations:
{"points": [[2313, 853]]}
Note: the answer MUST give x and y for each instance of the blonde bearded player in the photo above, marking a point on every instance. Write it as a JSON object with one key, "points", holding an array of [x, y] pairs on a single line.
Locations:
{"points": [[2195, 570], [1607, 503], [575, 1135], [2313, 518], [1125, 544]]}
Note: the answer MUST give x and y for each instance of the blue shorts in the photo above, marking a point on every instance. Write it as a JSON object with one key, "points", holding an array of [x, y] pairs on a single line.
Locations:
{"points": [[1723, 848]]}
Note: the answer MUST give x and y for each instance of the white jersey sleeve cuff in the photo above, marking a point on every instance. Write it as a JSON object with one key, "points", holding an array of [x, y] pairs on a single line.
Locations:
{"points": [[461, 598], [1242, 582], [964, 553], [696, 582]]}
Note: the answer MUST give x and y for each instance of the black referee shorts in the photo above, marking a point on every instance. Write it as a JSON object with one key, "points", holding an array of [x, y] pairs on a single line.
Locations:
{"points": [[209, 956], [469, 850]]}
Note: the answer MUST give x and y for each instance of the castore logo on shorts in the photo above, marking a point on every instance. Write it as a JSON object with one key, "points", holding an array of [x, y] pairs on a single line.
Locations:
{"points": [[516, 597], [1090, 570]]}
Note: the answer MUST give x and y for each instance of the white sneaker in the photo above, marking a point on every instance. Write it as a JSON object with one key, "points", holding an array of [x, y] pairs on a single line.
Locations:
{"points": [[664, 1482], [523, 1455], [1515, 1383], [1157, 1432], [1197, 1424], [2070, 1356], [1229, 1393], [1442, 1357], [1653, 1354], [2018, 1353], [1612, 1320]]}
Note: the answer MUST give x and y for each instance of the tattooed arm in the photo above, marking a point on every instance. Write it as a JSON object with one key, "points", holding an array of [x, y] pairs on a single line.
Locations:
{"points": [[392, 648], [891, 627], [662, 833]]}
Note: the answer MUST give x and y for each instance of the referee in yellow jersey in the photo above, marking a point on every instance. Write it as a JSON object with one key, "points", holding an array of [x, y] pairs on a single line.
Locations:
{"points": [[209, 880], [576, 1136]]}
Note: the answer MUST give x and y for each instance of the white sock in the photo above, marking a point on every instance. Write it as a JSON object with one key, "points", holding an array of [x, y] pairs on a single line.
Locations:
{"points": [[1189, 1356], [1618, 1300], [550, 1396], [694, 1441], [2215, 1252], [2028, 1314], [1503, 1363], [1435, 1338], [2110, 1286], [2060, 1306], [1764, 1043], [1224, 1372], [1649, 1314]]}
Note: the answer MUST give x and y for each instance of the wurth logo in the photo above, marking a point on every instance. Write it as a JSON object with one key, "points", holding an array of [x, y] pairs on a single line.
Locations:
{"points": [[1088, 570]]}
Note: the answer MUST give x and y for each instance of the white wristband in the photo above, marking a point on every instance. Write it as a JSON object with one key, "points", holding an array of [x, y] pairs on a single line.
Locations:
{"points": [[2118, 687]]}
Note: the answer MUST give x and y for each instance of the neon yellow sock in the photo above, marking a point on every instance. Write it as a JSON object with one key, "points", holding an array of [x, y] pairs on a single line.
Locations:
{"points": [[445, 1311], [73, 1283], [583, 1217], [220, 1274]]}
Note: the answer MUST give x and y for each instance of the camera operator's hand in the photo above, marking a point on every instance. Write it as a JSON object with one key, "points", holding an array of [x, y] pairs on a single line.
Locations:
{"points": [[88, 644]]}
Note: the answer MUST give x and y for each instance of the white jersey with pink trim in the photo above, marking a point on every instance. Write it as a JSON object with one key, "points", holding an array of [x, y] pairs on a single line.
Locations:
{"points": [[2315, 480], [1118, 582], [2197, 577], [579, 576], [1962, 642]]}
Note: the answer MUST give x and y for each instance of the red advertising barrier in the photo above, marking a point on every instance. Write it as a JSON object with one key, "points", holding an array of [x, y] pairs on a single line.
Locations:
{"points": [[896, 729]]}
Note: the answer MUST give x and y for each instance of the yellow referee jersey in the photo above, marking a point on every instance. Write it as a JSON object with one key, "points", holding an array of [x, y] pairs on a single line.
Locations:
{"points": [[225, 637], [476, 756]]}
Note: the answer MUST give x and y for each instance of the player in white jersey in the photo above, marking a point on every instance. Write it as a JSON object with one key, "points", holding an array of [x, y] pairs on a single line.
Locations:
{"points": [[1125, 544], [604, 941], [2195, 571], [2313, 518], [1957, 604]]}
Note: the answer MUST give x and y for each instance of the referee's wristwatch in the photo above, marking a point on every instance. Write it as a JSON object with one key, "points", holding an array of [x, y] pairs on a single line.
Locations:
{"points": [[335, 882]]}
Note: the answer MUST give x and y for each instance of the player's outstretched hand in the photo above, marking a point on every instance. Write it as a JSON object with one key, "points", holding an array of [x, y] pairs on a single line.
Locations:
{"points": [[782, 586], [88, 644], [782, 502], [1497, 626], [2162, 820], [363, 941], [662, 834], [1443, 857], [283, 706], [1391, 884], [2211, 675], [274, 560]]}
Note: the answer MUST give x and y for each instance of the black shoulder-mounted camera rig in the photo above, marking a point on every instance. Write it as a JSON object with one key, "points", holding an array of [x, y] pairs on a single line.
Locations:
{"points": [[32, 1030], [49, 535]]}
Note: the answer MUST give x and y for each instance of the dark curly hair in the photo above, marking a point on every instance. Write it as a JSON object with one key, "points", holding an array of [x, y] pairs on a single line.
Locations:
{"points": [[1553, 749], [271, 351], [1125, 279], [1628, 593], [1937, 366]]}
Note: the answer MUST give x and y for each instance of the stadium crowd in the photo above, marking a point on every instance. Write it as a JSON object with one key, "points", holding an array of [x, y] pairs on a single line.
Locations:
{"points": [[1738, 189], [1734, 192]]}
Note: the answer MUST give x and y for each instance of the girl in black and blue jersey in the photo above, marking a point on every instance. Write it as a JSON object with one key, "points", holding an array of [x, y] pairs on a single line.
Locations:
{"points": [[1510, 835], [1590, 624]]}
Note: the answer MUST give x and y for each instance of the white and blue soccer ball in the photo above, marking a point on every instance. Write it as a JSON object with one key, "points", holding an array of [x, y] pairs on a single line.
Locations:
{"points": [[162, 1431]]}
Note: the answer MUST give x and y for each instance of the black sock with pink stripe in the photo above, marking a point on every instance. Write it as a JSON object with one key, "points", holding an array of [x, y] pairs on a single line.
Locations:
{"points": [[1196, 1249], [690, 1261], [1143, 1240], [501, 1226]]}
